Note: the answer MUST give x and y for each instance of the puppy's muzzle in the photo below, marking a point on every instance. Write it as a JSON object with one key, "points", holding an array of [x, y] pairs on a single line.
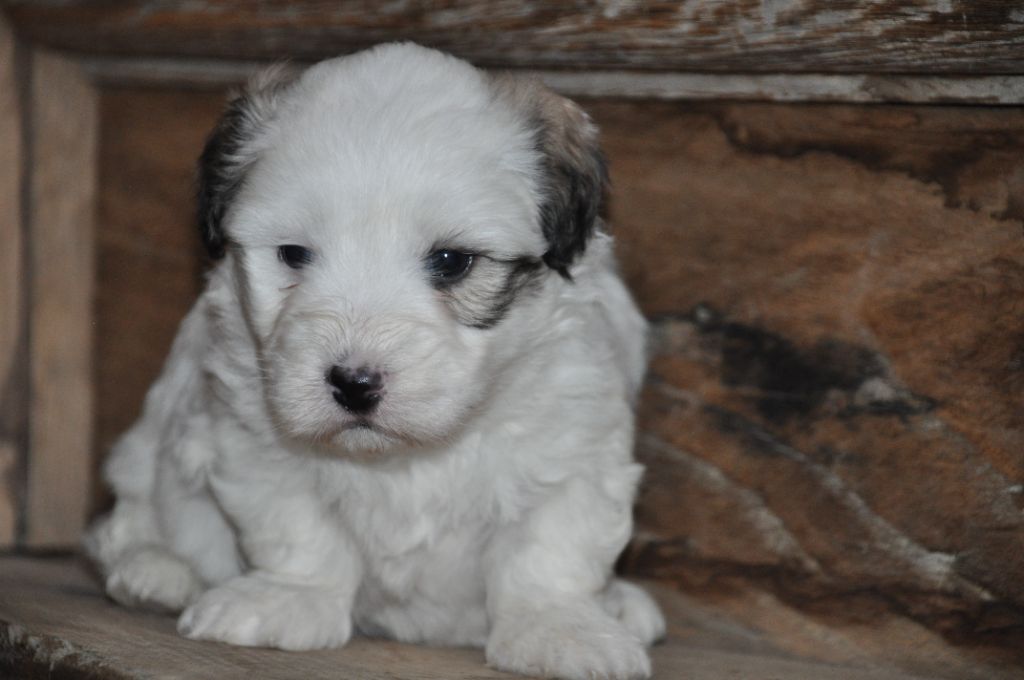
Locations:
{"points": [[358, 391]]}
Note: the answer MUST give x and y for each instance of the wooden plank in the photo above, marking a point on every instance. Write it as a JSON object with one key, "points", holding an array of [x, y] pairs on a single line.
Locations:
{"points": [[62, 191], [13, 377], [759, 36], [788, 87], [54, 620]]}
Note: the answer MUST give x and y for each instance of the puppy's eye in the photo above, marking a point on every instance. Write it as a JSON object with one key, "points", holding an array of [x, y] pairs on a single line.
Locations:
{"points": [[295, 257], [449, 266]]}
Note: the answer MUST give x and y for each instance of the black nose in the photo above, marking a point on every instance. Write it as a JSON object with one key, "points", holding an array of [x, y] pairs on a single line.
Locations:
{"points": [[358, 391]]}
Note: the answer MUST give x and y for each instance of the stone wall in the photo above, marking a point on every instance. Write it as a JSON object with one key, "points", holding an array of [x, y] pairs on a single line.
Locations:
{"points": [[835, 407]]}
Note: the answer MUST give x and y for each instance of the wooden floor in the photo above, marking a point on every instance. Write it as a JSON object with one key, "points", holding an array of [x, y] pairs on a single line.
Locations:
{"points": [[55, 623]]}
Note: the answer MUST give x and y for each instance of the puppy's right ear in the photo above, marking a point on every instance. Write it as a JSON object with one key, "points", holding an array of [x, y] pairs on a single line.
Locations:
{"points": [[231, 150]]}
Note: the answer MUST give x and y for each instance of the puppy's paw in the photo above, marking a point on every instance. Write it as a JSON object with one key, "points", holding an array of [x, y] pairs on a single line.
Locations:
{"points": [[637, 611], [578, 641], [153, 578], [255, 611]]}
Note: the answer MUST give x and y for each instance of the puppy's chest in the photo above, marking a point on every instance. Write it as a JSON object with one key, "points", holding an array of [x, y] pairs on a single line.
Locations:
{"points": [[417, 524]]}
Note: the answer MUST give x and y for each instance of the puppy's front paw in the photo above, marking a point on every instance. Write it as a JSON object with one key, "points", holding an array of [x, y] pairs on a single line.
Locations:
{"points": [[153, 578], [578, 641], [636, 610], [255, 611]]}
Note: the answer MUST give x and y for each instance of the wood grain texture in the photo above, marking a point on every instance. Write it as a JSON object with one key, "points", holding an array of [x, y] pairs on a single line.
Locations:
{"points": [[62, 185], [211, 74], [54, 622], [789, 87], [13, 376], [875, 36], [833, 410]]}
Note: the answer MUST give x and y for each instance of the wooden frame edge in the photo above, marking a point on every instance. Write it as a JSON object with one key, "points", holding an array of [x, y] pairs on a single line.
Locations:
{"points": [[1001, 90], [13, 303], [62, 151]]}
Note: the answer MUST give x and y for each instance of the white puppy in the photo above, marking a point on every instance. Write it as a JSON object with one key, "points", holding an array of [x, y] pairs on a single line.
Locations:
{"points": [[403, 403]]}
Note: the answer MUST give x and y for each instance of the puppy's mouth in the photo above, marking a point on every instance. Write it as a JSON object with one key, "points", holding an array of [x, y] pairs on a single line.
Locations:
{"points": [[364, 435], [360, 424]]}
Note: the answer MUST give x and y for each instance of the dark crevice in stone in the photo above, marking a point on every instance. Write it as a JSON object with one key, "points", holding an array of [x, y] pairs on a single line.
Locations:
{"points": [[757, 439], [787, 381]]}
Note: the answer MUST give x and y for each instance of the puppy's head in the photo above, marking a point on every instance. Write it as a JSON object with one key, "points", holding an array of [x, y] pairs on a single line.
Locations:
{"points": [[396, 223]]}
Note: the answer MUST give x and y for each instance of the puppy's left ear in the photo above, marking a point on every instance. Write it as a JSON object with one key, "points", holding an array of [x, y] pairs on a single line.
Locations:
{"points": [[574, 171]]}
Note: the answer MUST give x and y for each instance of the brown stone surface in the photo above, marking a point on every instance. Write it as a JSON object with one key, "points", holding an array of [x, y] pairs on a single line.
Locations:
{"points": [[835, 413], [836, 401]]}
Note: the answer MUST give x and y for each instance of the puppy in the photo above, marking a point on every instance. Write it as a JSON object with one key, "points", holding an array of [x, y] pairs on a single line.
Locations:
{"points": [[403, 403]]}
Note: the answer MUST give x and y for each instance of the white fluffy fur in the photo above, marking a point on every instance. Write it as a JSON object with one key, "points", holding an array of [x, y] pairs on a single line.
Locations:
{"points": [[489, 502]]}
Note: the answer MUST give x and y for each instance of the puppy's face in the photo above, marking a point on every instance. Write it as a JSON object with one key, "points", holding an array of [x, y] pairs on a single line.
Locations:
{"points": [[391, 220]]}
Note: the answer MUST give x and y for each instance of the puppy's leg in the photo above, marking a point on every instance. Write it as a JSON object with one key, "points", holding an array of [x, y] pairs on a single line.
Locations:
{"points": [[136, 546], [547, 584], [139, 570], [161, 545], [129, 547], [304, 573]]}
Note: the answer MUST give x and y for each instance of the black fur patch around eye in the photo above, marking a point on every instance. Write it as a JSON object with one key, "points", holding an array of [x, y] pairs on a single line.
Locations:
{"points": [[485, 297]]}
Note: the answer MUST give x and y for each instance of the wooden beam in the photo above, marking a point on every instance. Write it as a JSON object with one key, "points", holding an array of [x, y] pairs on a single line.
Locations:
{"points": [[748, 36], [13, 377], [790, 87], [999, 90], [62, 190]]}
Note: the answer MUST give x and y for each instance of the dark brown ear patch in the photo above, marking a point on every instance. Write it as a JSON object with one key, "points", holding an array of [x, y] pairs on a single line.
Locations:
{"points": [[571, 209], [228, 153], [219, 174], [575, 175]]}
